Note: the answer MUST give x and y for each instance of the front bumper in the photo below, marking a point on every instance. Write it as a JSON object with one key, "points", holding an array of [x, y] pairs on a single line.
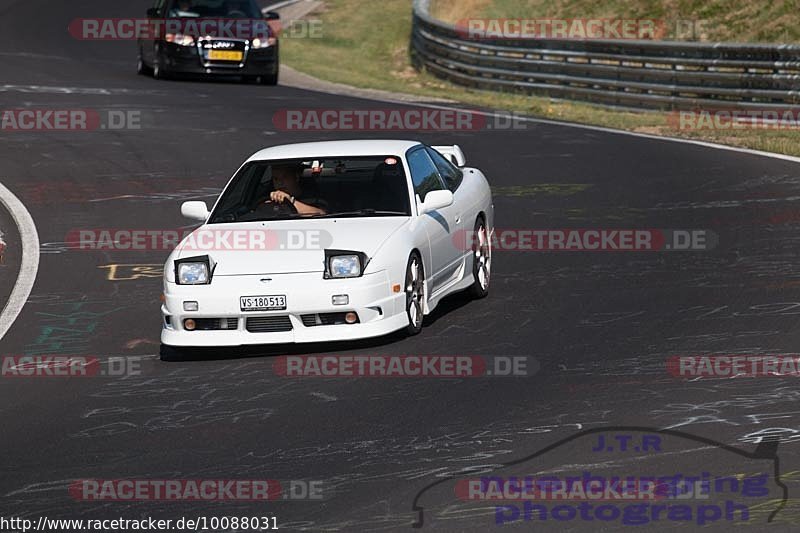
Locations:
{"points": [[191, 60], [380, 310]]}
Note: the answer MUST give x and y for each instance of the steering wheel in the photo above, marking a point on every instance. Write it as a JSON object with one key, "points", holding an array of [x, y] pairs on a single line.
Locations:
{"points": [[282, 208], [237, 14]]}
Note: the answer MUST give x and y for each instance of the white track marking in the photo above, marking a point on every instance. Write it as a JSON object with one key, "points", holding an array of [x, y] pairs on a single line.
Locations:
{"points": [[91, 91], [323, 396], [29, 265], [279, 5]]}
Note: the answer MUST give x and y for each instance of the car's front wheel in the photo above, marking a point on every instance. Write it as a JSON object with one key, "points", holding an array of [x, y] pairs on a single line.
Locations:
{"points": [[415, 293], [159, 72], [481, 260], [141, 68], [270, 79]]}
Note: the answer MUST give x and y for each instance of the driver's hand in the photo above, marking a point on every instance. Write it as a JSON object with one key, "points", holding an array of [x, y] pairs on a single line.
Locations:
{"points": [[280, 197]]}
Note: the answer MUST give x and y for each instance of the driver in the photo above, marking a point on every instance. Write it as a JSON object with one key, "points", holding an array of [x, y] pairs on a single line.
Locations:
{"points": [[183, 8], [286, 181], [237, 8]]}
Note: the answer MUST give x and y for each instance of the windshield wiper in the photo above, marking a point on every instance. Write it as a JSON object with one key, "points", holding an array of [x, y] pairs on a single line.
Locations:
{"points": [[287, 216], [367, 212]]}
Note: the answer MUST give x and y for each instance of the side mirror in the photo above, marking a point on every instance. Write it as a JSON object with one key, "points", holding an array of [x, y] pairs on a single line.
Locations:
{"points": [[195, 211], [272, 15], [153, 12], [436, 200]]}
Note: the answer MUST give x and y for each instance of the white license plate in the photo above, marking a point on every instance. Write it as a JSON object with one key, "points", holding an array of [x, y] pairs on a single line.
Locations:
{"points": [[262, 303]]}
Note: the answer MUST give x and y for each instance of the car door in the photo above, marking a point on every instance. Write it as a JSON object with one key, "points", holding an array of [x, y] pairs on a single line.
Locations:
{"points": [[440, 225], [464, 208]]}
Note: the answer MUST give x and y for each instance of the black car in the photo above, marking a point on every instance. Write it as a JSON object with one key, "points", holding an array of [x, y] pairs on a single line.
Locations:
{"points": [[209, 37]]}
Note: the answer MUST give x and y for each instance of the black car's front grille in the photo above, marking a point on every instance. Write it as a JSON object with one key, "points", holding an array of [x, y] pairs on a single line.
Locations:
{"points": [[324, 319], [207, 324], [269, 324]]}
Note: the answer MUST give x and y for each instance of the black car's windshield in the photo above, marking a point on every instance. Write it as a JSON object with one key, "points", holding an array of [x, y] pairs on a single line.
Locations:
{"points": [[215, 9], [371, 186]]}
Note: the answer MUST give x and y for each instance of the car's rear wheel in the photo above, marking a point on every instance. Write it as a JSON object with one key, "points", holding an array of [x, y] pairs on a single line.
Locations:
{"points": [[481, 260], [415, 293]]}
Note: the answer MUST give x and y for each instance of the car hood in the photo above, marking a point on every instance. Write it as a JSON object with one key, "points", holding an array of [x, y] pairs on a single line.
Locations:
{"points": [[285, 246]]}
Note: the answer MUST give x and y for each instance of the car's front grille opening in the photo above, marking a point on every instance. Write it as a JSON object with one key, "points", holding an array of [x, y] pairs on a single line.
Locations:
{"points": [[309, 320], [222, 52], [325, 319], [208, 324], [268, 324]]}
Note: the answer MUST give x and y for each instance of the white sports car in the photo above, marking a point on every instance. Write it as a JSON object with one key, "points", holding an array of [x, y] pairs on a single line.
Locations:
{"points": [[329, 241]]}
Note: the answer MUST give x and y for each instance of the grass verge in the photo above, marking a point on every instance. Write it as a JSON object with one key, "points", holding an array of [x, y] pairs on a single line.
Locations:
{"points": [[764, 21], [366, 44]]}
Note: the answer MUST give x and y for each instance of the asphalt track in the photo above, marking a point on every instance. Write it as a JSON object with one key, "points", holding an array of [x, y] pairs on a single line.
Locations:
{"points": [[600, 325]]}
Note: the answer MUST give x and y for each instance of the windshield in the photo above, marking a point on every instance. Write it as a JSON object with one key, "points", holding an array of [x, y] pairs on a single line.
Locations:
{"points": [[315, 188], [215, 9]]}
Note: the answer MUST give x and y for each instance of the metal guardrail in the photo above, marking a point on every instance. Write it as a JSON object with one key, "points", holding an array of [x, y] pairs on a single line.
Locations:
{"points": [[630, 73]]}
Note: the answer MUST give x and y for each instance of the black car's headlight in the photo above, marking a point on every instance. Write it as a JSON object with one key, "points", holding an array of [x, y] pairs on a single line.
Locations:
{"points": [[263, 42], [344, 264], [194, 271], [180, 39]]}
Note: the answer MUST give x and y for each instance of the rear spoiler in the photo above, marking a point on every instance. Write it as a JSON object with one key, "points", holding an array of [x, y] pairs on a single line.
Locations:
{"points": [[453, 153]]}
